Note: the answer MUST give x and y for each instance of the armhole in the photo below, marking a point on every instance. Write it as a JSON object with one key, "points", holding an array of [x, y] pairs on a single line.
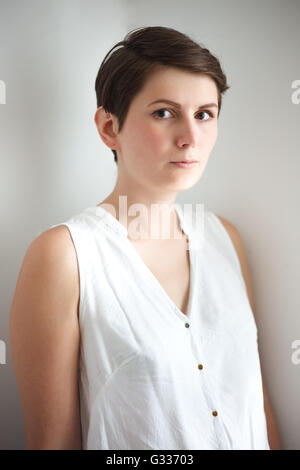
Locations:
{"points": [[232, 247], [239, 268], [74, 238]]}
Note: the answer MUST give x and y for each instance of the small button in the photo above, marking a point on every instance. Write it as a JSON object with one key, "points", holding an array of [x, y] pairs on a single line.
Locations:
{"points": [[215, 413], [200, 366], [187, 325]]}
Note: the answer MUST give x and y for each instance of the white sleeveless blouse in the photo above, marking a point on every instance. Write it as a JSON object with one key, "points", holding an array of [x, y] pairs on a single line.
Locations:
{"points": [[150, 376]]}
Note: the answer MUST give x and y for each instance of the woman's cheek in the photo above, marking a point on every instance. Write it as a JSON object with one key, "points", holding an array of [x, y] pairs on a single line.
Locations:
{"points": [[154, 141], [212, 137]]}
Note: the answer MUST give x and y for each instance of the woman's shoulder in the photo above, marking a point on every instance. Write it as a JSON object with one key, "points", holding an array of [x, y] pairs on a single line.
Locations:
{"points": [[51, 260]]}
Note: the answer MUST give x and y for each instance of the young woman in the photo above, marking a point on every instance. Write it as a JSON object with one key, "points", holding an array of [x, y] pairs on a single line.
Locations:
{"points": [[122, 339]]}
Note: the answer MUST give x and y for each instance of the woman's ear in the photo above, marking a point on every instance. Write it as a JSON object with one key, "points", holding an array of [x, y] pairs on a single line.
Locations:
{"points": [[107, 126]]}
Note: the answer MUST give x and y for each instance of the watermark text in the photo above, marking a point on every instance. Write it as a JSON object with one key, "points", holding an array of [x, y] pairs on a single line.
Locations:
{"points": [[295, 358], [296, 94], [2, 92], [156, 222], [2, 352]]}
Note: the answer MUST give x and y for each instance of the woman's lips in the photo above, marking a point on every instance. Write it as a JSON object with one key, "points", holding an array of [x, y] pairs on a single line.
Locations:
{"points": [[185, 165]]}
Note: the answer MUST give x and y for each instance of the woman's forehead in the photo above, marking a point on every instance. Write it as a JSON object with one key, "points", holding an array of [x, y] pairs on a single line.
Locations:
{"points": [[178, 87]]}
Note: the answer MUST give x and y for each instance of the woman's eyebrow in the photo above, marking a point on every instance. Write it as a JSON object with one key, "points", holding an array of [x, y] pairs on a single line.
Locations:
{"points": [[177, 105]]}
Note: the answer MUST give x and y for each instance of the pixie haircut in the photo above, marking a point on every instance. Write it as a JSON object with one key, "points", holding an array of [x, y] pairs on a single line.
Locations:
{"points": [[144, 50]]}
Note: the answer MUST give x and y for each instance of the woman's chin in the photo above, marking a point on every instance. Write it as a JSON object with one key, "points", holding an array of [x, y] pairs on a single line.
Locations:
{"points": [[182, 184]]}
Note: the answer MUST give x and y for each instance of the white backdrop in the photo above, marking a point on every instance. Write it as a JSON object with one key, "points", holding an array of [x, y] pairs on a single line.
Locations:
{"points": [[53, 163]]}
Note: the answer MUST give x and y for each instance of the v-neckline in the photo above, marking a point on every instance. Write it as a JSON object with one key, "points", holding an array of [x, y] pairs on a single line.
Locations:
{"points": [[120, 229], [153, 279]]}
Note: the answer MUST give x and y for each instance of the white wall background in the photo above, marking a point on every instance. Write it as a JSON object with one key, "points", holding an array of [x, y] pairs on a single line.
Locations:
{"points": [[53, 163]]}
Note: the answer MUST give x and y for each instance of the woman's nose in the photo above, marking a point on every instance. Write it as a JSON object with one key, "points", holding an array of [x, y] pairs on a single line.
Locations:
{"points": [[188, 134]]}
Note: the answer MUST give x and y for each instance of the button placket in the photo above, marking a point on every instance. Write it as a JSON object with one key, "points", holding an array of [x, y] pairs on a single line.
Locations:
{"points": [[210, 398]]}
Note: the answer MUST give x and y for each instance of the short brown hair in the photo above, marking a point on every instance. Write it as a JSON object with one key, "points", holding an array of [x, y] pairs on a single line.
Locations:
{"points": [[122, 75]]}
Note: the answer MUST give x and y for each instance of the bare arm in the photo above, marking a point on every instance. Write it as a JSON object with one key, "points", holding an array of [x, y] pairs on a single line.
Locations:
{"points": [[45, 339]]}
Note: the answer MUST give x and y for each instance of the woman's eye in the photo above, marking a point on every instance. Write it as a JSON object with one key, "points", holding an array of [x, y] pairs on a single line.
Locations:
{"points": [[206, 112], [201, 112], [160, 111]]}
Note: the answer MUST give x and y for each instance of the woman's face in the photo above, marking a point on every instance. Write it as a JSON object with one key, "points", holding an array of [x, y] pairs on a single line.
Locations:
{"points": [[154, 135]]}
